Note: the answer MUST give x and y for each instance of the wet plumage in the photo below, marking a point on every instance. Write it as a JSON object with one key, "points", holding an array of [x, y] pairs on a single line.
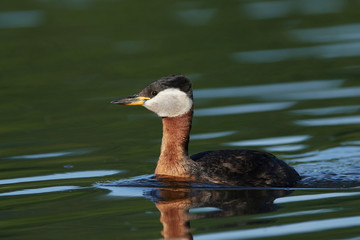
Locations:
{"points": [[245, 168]]}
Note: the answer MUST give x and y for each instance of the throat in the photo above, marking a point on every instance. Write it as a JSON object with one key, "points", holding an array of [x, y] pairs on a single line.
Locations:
{"points": [[174, 159]]}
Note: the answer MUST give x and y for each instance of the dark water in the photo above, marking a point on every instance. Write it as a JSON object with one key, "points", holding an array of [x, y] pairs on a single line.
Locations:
{"points": [[281, 76]]}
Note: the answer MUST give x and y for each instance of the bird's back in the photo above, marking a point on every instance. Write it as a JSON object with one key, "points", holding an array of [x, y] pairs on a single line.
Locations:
{"points": [[244, 168]]}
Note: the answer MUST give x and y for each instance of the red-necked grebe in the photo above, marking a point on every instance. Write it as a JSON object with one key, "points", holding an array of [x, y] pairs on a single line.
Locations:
{"points": [[171, 98]]}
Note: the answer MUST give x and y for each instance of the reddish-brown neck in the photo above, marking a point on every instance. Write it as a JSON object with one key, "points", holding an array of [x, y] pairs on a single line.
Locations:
{"points": [[174, 146], [175, 220]]}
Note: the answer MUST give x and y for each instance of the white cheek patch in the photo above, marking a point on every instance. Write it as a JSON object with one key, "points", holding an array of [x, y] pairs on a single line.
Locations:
{"points": [[169, 103]]}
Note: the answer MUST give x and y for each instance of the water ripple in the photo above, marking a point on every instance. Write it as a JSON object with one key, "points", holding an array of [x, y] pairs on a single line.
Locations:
{"points": [[40, 190], [301, 213], [270, 141], [282, 9], [61, 176], [245, 108], [267, 89], [311, 197], [328, 110], [318, 94], [337, 50], [284, 230], [21, 19], [204, 210], [286, 148], [125, 191], [330, 121], [211, 135], [351, 143], [328, 34], [342, 152], [53, 154]]}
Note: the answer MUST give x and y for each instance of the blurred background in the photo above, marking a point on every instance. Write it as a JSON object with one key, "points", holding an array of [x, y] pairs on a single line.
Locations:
{"points": [[281, 76]]}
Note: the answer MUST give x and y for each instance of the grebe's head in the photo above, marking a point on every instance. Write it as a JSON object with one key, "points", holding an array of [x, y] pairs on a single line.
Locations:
{"points": [[169, 96]]}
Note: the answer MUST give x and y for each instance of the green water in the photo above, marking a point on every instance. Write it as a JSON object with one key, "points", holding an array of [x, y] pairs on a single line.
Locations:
{"points": [[281, 76]]}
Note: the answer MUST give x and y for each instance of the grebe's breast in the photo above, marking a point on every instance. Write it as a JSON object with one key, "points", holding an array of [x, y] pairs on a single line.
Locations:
{"points": [[244, 168]]}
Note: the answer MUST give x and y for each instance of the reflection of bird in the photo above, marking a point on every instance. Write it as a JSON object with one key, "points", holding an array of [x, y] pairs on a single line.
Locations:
{"points": [[171, 98], [174, 205]]}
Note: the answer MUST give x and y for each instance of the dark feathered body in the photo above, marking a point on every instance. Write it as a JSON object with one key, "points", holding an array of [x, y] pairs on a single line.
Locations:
{"points": [[244, 168]]}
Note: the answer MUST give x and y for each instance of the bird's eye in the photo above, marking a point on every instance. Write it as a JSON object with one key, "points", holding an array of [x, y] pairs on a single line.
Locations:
{"points": [[154, 93]]}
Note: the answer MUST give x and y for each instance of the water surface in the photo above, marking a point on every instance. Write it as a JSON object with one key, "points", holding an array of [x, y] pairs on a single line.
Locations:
{"points": [[281, 76]]}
